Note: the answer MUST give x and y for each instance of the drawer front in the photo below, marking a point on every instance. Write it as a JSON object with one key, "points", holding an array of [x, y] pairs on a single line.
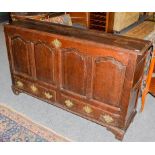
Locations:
{"points": [[88, 111], [35, 89]]}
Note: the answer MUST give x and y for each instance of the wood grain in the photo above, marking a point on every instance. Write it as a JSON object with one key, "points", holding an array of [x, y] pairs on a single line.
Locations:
{"points": [[89, 75]]}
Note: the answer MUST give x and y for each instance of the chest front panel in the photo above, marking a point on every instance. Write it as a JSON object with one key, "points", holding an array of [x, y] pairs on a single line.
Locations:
{"points": [[73, 71], [108, 80], [20, 55], [44, 56]]}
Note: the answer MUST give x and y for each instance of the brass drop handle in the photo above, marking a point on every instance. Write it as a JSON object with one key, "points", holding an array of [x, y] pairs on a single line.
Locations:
{"points": [[69, 103], [56, 43], [19, 84], [107, 118], [48, 95], [87, 109], [34, 88]]}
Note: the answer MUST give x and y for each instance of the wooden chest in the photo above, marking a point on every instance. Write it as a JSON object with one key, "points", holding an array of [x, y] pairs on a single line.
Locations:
{"points": [[94, 75]]}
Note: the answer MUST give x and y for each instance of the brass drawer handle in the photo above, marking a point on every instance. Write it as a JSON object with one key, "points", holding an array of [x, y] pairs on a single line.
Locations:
{"points": [[87, 109], [107, 118], [48, 95], [56, 43], [69, 103], [34, 88], [19, 84]]}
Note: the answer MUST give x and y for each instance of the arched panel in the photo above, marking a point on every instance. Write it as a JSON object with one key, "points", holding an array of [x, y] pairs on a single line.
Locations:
{"points": [[44, 62], [73, 71], [108, 80], [20, 55]]}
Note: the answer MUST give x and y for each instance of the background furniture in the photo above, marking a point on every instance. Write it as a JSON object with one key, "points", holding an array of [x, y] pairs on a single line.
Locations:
{"points": [[102, 21], [152, 85], [151, 16], [124, 19], [94, 75], [150, 82], [79, 18], [33, 15], [141, 31], [29, 15]]}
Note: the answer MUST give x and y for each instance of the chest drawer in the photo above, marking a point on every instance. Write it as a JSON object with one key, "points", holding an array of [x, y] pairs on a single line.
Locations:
{"points": [[35, 89], [88, 111]]}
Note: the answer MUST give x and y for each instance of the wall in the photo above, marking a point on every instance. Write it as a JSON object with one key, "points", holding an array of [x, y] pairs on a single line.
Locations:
{"points": [[4, 16]]}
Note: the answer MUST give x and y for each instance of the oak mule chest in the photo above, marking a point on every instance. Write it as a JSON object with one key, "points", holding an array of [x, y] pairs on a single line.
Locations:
{"points": [[92, 74]]}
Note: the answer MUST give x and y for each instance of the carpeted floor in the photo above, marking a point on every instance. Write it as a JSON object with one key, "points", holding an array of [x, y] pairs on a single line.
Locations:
{"points": [[67, 124], [15, 127]]}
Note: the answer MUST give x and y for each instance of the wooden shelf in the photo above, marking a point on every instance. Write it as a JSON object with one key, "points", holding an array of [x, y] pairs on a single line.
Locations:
{"points": [[102, 21]]}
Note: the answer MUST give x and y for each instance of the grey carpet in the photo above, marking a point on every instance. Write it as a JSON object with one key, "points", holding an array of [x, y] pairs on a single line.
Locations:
{"points": [[67, 124]]}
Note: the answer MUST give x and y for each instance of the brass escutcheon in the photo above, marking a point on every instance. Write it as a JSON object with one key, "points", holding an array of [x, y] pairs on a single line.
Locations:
{"points": [[34, 88], [56, 43], [87, 109], [14, 19], [19, 84], [48, 95], [107, 118], [69, 103]]}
